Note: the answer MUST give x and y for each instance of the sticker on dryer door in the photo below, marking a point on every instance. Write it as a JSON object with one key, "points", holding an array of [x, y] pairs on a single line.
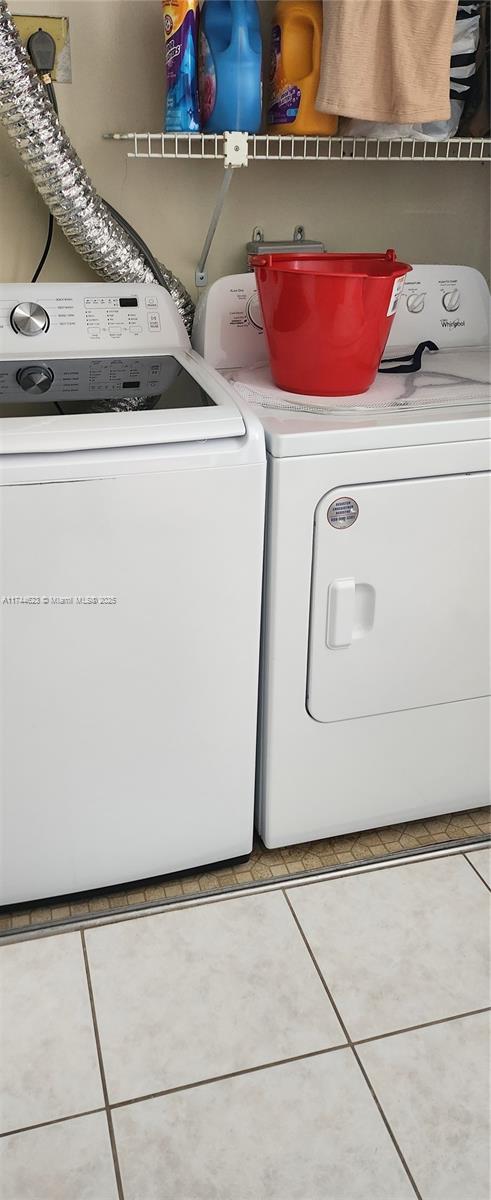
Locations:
{"points": [[342, 512], [396, 291]]}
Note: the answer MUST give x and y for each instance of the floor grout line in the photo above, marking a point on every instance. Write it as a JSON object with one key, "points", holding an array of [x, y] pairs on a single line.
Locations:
{"points": [[378, 1037], [327, 874], [55, 1121], [349, 1044], [112, 1139], [386, 1123], [267, 1066], [184, 1087], [474, 868], [353, 1049]]}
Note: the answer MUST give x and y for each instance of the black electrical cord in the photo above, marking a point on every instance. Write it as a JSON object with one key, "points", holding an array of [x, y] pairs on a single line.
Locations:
{"points": [[41, 48], [49, 237], [52, 95], [47, 247]]}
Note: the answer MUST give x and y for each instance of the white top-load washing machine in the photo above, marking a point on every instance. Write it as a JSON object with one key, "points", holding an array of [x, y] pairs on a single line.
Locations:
{"points": [[131, 561], [375, 650]]}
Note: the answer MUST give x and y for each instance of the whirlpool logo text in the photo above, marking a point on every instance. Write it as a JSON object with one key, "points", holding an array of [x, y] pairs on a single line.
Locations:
{"points": [[446, 324]]}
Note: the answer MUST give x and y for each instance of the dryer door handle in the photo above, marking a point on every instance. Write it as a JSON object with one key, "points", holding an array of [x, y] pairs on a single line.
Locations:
{"points": [[340, 613], [350, 612]]}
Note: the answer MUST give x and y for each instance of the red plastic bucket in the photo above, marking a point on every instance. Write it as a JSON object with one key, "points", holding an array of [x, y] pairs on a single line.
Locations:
{"points": [[327, 318]]}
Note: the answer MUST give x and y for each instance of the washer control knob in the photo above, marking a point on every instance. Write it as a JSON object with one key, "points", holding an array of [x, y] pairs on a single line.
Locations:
{"points": [[415, 302], [29, 319], [35, 379], [451, 300]]}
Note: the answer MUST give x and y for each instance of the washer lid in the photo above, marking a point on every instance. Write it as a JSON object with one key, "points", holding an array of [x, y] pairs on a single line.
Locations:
{"points": [[67, 404], [404, 409]]}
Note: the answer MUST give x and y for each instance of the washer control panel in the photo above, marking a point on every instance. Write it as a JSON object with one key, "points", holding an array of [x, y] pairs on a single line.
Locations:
{"points": [[117, 317], [447, 304], [84, 380], [93, 318]]}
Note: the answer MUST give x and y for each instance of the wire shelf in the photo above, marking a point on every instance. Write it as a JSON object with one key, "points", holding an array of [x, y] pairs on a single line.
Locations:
{"points": [[273, 148]]}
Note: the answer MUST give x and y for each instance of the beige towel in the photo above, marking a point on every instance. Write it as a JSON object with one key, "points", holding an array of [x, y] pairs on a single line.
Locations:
{"points": [[387, 60]]}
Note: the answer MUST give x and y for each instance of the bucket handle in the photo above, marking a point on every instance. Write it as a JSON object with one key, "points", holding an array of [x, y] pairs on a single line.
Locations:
{"points": [[268, 260]]}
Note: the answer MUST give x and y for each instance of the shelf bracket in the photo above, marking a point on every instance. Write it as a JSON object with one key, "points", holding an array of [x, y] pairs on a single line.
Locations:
{"points": [[235, 149], [235, 155]]}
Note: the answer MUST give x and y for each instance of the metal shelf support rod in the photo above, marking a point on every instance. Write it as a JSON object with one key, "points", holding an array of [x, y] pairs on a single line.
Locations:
{"points": [[201, 275]]}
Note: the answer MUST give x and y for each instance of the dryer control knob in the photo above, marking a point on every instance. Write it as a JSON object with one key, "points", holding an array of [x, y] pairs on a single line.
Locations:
{"points": [[35, 379], [415, 302], [29, 319], [451, 300], [254, 313]]}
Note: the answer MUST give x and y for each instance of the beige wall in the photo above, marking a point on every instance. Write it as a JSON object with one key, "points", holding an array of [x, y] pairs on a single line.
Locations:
{"points": [[428, 212]]}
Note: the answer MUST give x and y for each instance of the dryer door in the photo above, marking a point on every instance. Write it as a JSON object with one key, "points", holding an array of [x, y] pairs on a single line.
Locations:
{"points": [[400, 596]]}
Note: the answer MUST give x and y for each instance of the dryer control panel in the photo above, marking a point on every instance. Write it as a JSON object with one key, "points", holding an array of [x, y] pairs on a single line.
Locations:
{"points": [[58, 318], [446, 304]]}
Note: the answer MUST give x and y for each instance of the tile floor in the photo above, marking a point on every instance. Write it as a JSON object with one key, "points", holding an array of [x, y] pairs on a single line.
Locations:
{"points": [[319, 1041], [263, 865]]}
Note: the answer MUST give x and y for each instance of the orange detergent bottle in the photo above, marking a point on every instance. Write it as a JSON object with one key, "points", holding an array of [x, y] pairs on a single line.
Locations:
{"points": [[295, 65]]}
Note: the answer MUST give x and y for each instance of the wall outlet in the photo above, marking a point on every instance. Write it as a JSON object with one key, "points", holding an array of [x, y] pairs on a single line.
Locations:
{"points": [[59, 28]]}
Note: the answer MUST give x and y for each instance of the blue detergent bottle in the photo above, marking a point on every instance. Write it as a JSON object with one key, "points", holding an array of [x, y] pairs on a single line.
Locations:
{"points": [[230, 54]]}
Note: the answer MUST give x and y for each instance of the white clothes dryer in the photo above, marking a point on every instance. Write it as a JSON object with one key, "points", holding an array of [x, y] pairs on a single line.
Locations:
{"points": [[131, 567], [375, 645]]}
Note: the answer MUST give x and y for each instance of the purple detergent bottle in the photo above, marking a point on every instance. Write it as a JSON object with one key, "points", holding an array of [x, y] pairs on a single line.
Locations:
{"points": [[180, 29]]}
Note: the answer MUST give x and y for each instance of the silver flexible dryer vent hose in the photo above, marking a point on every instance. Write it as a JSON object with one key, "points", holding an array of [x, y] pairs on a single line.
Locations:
{"points": [[62, 181]]}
